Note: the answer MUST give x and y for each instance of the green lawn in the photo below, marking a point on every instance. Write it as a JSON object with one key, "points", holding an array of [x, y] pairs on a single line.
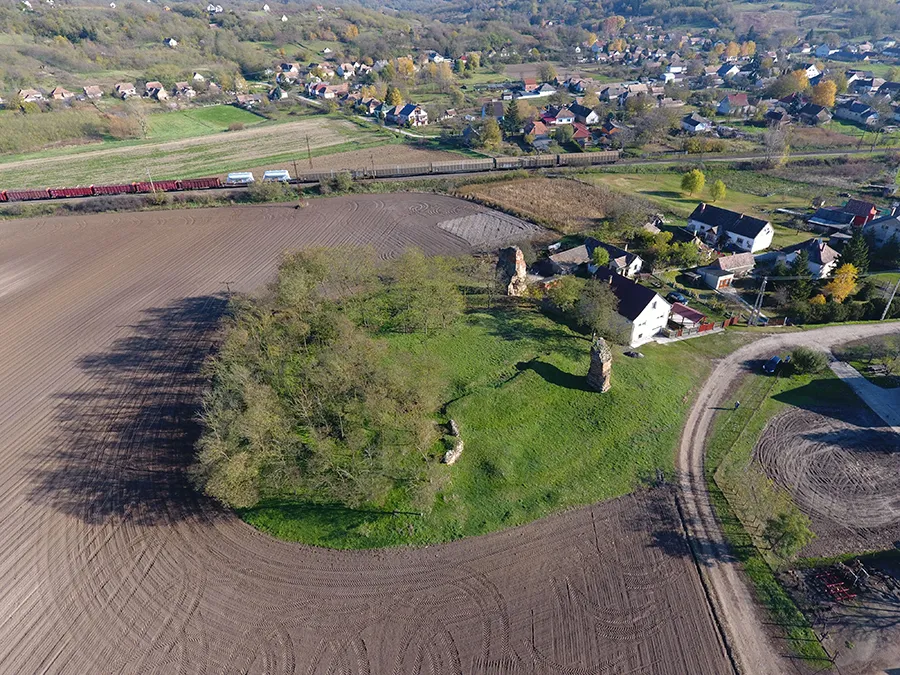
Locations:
{"points": [[198, 122], [536, 441]]}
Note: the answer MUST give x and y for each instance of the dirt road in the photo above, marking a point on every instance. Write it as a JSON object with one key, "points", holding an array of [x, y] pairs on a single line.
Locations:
{"points": [[755, 649], [109, 562]]}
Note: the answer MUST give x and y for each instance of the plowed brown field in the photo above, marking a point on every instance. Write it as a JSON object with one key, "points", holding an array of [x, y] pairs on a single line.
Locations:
{"points": [[109, 562]]}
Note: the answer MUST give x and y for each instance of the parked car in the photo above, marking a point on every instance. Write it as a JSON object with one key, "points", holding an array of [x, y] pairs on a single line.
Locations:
{"points": [[772, 365], [675, 296]]}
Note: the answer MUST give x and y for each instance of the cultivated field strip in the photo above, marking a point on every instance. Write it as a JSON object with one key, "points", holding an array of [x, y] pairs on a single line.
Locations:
{"points": [[109, 562]]}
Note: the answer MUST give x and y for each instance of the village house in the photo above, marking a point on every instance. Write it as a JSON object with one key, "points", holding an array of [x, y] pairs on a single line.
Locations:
{"points": [[813, 114], [570, 261], [346, 70], [726, 228], [370, 105], [584, 114], [155, 90], [723, 271], [197, 77], [854, 111], [832, 219], [862, 211], [621, 260], [728, 71], [645, 311], [880, 231], [277, 94], [170, 42], [184, 90], [810, 69], [493, 109], [60, 94], [777, 117], [581, 135], [822, 258], [327, 91], [539, 134], [409, 114], [733, 104], [30, 95], [555, 117], [92, 92], [248, 101], [125, 90], [695, 124]]}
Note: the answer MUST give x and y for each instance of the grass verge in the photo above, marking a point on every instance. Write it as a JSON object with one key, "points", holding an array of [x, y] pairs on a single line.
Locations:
{"points": [[729, 452]]}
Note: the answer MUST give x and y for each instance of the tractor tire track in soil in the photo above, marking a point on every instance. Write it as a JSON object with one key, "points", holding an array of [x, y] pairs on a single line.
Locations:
{"points": [[841, 467], [753, 643], [111, 562]]}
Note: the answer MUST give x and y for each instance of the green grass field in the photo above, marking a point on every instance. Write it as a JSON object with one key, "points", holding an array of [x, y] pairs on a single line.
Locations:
{"points": [[208, 152], [536, 440], [198, 122], [665, 190]]}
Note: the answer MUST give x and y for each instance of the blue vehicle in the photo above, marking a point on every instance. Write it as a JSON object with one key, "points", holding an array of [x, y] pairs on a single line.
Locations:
{"points": [[771, 366]]}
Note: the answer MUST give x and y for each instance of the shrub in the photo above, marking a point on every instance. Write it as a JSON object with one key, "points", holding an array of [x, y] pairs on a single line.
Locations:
{"points": [[264, 191], [806, 361], [236, 126]]}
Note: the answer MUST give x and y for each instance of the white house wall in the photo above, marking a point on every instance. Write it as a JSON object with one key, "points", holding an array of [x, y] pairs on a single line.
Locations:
{"points": [[650, 322]]}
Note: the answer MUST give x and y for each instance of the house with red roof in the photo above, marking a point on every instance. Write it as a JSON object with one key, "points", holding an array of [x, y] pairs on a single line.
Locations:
{"points": [[733, 104], [862, 211]]}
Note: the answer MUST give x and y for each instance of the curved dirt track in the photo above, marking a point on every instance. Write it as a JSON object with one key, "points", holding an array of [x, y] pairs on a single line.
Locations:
{"points": [[756, 650], [109, 562]]}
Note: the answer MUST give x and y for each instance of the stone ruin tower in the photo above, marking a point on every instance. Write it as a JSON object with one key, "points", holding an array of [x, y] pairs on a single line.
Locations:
{"points": [[598, 377], [512, 270]]}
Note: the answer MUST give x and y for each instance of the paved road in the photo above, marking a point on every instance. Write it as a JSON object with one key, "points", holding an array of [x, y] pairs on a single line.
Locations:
{"points": [[751, 644], [884, 402]]}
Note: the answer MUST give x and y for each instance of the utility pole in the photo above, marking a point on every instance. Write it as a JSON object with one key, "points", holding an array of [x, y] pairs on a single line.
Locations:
{"points": [[757, 306], [887, 307], [150, 178], [227, 287], [296, 173], [308, 152]]}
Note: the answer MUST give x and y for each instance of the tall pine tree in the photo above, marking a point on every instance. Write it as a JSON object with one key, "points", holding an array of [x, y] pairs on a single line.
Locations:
{"points": [[856, 252], [512, 120], [802, 287]]}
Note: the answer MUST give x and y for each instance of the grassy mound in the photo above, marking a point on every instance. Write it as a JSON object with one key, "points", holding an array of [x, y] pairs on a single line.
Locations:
{"points": [[536, 440]]}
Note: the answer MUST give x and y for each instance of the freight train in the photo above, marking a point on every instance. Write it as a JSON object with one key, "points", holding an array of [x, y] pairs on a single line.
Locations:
{"points": [[432, 168], [101, 190]]}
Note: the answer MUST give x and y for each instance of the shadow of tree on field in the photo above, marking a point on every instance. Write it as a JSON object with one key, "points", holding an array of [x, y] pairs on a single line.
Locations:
{"points": [[122, 443]]}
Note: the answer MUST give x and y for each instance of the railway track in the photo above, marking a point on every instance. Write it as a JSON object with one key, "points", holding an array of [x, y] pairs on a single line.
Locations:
{"points": [[385, 172]]}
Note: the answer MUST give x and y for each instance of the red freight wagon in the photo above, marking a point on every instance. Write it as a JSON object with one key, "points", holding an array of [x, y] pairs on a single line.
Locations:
{"points": [[160, 185], [3, 196], [113, 189], [26, 195], [71, 192], [200, 183]]}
